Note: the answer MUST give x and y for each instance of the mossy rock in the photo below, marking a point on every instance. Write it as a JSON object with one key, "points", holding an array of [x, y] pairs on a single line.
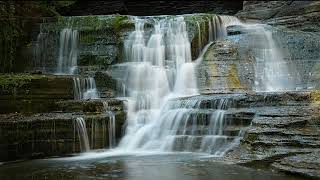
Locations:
{"points": [[10, 81], [315, 96], [233, 79], [33, 93]]}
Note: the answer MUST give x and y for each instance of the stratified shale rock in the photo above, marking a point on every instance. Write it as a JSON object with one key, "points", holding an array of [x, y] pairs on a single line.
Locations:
{"points": [[225, 69], [33, 93], [305, 164], [51, 134], [277, 132], [297, 15]]}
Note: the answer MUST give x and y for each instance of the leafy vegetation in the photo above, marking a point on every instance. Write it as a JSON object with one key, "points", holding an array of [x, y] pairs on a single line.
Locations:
{"points": [[10, 81]]}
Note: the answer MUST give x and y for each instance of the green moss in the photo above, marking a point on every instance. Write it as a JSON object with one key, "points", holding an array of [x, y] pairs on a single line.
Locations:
{"points": [[233, 80], [17, 22], [120, 22], [9, 81], [87, 38], [214, 72], [315, 96], [251, 137], [209, 55]]}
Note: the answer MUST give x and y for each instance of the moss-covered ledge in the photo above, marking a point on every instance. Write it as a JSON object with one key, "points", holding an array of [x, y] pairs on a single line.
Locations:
{"points": [[33, 93], [41, 135]]}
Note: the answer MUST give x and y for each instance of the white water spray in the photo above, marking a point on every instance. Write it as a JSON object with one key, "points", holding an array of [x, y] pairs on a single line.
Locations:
{"points": [[85, 88], [68, 51], [160, 70], [82, 134]]}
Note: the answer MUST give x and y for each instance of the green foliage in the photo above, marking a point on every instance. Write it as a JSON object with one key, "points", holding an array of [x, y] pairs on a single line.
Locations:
{"points": [[11, 81], [17, 20], [118, 22], [233, 80], [315, 96]]}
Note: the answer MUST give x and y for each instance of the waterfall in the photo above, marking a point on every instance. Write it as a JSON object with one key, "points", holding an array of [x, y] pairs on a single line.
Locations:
{"points": [[112, 130], [40, 51], [271, 71], [159, 69], [111, 126], [68, 51], [85, 88], [82, 134]]}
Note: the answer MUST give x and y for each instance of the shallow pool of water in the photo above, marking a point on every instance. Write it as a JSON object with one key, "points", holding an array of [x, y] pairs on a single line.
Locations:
{"points": [[133, 167]]}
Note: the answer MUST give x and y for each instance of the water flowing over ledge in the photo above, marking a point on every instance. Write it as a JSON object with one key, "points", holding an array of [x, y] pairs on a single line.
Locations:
{"points": [[159, 63]]}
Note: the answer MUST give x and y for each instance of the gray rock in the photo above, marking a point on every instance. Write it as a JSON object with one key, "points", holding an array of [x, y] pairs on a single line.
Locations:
{"points": [[305, 164]]}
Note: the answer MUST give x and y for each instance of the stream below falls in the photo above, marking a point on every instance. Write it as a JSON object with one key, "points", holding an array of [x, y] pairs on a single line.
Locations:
{"points": [[184, 166]]}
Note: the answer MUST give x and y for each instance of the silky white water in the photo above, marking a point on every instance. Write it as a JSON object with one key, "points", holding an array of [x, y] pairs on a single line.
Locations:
{"points": [[272, 72], [82, 134], [159, 69], [85, 88], [68, 51]]}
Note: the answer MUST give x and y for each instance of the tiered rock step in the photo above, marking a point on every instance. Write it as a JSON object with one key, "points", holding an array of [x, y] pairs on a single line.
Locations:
{"points": [[241, 100], [52, 134], [33, 93], [278, 132], [285, 127], [203, 130], [41, 114], [207, 143], [241, 112], [92, 105]]}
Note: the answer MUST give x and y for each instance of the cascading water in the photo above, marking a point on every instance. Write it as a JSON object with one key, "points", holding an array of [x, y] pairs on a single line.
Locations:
{"points": [[40, 51], [82, 134], [160, 69], [85, 88], [68, 51], [111, 126], [112, 129], [271, 71], [157, 63]]}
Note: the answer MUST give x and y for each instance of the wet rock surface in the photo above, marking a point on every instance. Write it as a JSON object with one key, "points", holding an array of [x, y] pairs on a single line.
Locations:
{"points": [[223, 69], [26, 136], [33, 93], [295, 30], [276, 127], [38, 117], [298, 15], [93, 105], [277, 132], [305, 164]]}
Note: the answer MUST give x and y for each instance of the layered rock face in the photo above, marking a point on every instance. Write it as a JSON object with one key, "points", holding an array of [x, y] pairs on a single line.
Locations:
{"points": [[298, 15], [100, 41], [279, 133], [225, 69], [297, 32], [283, 135], [39, 118]]}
